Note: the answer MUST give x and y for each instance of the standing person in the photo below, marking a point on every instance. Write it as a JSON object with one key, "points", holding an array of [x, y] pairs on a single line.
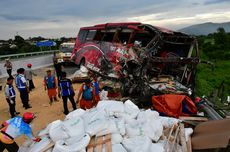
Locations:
{"points": [[14, 128], [29, 76], [8, 66], [67, 92], [10, 96], [58, 70], [95, 84], [87, 93], [22, 88], [50, 84]]}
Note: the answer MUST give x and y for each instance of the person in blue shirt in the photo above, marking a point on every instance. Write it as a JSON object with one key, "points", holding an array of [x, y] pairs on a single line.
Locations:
{"points": [[22, 87], [65, 89], [10, 95], [14, 128]]}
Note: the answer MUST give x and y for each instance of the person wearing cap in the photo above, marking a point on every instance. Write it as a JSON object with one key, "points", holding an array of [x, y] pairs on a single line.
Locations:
{"points": [[87, 94], [29, 76], [8, 66], [10, 95], [65, 89], [50, 84], [14, 128], [22, 87]]}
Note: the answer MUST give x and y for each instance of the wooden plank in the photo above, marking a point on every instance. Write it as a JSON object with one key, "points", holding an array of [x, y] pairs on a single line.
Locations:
{"points": [[194, 118], [108, 144], [182, 138], [99, 147], [189, 145], [48, 147], [169, 136], [89, 147], [175, 138]]}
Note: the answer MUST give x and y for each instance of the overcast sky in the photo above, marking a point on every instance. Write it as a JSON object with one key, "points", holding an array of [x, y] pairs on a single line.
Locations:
{"points": [[58, 18]]}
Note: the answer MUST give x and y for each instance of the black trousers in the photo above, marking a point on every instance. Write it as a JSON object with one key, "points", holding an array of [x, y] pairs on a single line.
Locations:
{"points": [[65, 99], [31, 85], [10, 147], [9, 71], [12, 107], [24, 95]]}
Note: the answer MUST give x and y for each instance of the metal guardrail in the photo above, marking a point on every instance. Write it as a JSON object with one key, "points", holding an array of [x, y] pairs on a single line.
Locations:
{"points": [[2, 57]]}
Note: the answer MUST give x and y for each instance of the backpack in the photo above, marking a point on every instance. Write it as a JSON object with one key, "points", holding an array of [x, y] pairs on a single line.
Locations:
{"points": [[87, 93]]}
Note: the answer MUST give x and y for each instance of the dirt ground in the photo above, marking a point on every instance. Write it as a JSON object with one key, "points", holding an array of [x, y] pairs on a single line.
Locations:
{"points": [[39, 101]]}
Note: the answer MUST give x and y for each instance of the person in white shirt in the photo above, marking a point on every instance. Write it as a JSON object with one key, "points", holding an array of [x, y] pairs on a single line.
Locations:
{"points": [[10, 95], [22, 88], [8, 66]]}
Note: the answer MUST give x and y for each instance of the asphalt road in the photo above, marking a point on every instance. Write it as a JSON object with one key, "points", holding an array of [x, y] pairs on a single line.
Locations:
{"points": [[36, 61]]}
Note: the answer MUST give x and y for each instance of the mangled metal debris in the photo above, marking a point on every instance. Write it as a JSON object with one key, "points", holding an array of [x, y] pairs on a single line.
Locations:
{"points": [[137, 55]]}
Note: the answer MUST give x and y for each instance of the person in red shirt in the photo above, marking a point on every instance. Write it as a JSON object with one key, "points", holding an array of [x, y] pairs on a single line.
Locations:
{"points": [[87, 94]]}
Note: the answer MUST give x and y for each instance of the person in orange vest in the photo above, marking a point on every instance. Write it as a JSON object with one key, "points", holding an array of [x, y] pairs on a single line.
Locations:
{"points": [[87, 94], [96, 86], [14, 128], [50, 84]]}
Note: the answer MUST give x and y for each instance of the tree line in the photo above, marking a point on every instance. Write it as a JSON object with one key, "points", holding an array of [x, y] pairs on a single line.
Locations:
{"points": [[20, 45]]}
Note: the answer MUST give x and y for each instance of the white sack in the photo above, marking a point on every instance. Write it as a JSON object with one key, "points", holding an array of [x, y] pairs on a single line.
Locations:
{"points": [[148, 115], [137, 144], [38, 146], [74, 127], [78, 146], [118, 148], [153, 129], [116, 139], [75, 113], [103, 95], [115, 125], [56, 131], [157, 147], [134, 128], [168, 122], [111, 107], [95, 121], [131, 110], [188, 133]]}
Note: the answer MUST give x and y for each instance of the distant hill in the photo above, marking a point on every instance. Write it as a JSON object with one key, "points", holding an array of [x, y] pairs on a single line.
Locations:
{"points": [[205, 28]]}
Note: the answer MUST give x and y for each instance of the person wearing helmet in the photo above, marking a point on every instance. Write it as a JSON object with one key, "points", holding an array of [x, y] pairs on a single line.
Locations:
{"points": [[87, 94], [29, 76], [14, 128]]}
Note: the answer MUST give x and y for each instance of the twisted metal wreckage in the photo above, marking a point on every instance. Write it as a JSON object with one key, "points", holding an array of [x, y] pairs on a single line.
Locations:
{"points": [[140, 59]]}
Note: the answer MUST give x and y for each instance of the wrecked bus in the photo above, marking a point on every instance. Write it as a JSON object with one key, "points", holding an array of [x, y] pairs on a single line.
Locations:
{"points": [[144, 59]]}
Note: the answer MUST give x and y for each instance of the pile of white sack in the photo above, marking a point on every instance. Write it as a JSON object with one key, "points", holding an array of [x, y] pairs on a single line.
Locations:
{"points": [[132, 129]]}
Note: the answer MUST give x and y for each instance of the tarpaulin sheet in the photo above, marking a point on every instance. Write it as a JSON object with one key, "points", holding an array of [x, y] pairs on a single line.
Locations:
{"points": [[174, 105], [45, 43]]}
